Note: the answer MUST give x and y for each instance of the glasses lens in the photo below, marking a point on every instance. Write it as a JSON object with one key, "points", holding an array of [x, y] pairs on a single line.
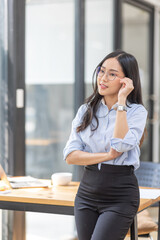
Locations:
{"points": [[100, 72], [111, 76]]}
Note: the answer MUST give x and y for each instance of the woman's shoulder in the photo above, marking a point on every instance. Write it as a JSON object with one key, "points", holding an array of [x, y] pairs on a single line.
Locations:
{"points": [[81, 111], [135, 107]]}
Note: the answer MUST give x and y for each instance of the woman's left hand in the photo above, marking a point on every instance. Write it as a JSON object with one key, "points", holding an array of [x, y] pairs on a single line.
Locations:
{"points": [[127, 87]]}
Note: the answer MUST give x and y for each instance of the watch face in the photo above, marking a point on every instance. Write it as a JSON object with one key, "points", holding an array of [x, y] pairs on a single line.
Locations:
{"points": [[120, 108]]}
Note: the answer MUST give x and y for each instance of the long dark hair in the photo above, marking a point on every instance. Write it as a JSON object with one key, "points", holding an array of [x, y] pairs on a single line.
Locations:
{"points": [[130, 69]]}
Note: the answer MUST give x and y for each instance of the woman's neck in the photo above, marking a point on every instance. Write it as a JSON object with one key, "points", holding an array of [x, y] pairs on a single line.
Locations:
{"points": [[110, 101]]}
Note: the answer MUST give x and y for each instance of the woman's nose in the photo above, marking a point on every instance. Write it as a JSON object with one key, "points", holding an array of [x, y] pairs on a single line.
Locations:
{"points": [[105, 77]]}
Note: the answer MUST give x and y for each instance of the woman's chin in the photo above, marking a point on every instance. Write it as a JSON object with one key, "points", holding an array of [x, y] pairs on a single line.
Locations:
{"points": [[102, 92]]}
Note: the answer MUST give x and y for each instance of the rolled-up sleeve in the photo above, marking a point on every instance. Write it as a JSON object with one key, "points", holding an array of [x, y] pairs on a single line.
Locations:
{"points": [[75, 142], [136, 124]]}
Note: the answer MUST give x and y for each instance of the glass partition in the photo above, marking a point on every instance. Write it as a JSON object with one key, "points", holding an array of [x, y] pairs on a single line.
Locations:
{"points": [[136, 40], [159, 84], [3, 106], [3, 86], [49, 84], [135, 32], [98, 36], [49, 102]]}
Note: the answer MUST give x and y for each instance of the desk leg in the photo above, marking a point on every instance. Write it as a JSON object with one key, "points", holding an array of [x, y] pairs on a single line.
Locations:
{"points": [[19, 232], [159, 223], [134, 233]]}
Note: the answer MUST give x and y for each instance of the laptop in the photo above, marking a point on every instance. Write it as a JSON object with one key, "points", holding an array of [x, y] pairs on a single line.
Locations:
{"points": [[21, 182]]}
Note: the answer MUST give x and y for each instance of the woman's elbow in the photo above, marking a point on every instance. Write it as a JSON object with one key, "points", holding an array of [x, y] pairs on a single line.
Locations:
{"points": [[68, 160], [71, 158]]}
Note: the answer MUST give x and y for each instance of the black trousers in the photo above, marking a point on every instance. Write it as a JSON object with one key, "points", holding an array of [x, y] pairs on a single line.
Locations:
{"points": [[106, 202]]}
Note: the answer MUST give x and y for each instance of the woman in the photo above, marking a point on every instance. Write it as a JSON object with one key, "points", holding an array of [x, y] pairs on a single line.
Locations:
{"points": [[105, 138]]}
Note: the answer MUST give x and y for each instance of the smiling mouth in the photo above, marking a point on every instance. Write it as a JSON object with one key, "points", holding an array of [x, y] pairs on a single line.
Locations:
{"points": [[103, 86]]}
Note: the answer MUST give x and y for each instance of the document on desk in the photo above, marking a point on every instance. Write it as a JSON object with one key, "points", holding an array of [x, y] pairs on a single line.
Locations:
{"points": [[26, 182], [21, 179], [149, 193]]}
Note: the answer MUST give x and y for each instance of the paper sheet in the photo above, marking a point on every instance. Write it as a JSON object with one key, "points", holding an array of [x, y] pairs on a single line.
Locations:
{"points": [[21, 179], [149, 193]]}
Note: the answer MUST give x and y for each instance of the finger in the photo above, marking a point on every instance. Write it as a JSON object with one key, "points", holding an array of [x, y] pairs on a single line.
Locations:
{"points": [[127, 81]]}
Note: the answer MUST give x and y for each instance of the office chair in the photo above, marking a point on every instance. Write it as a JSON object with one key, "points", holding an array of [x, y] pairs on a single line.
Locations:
{"points": [[148, 175]]}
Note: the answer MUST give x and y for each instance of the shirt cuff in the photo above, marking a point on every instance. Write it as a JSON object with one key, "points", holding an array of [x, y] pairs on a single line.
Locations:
{"points": [[67, 151], [125, 144]]}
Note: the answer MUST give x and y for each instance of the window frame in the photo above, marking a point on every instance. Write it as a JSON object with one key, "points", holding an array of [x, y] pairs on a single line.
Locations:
{"points": [[118, 45]]}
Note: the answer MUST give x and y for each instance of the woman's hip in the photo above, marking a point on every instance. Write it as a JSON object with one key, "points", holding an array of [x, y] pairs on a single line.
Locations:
{"points": [[111, 184]]}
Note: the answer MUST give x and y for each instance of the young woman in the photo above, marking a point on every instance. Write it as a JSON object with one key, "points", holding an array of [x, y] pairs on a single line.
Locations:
{"points": [[105, 138]]}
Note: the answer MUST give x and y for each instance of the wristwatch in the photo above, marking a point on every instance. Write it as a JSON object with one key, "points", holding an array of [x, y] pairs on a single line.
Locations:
{"points": [[120, 108]]}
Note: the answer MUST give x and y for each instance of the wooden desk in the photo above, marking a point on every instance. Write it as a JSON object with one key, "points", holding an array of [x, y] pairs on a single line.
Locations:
{"points": [[59, 200]]}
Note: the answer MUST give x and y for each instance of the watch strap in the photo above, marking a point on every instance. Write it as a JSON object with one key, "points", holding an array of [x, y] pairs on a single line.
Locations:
{"points": [[120, 108]]}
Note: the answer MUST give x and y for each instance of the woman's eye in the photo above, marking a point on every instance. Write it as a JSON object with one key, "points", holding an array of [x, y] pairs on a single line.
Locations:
{"points": [[112, 74], [101, 71]]}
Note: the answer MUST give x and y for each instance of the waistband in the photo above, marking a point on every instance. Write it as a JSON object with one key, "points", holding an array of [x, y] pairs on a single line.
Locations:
{"points": [[111, 168]]}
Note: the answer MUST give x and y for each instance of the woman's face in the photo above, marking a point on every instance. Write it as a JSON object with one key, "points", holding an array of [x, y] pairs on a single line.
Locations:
{"points": [[108, 79]]}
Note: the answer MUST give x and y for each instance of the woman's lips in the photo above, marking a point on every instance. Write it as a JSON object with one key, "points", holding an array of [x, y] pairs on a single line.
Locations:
{"points": [[103, 86]]}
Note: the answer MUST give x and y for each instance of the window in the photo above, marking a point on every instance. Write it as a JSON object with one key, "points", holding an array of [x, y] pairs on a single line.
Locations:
{"points": [[98, 36], [3, 87], [137, 40], [3, 104], [49, 84], [49, 102]]}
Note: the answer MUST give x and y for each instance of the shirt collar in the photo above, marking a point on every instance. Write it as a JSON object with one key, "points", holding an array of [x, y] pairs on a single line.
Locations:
{"points": [[103, 102], [113, 107]]}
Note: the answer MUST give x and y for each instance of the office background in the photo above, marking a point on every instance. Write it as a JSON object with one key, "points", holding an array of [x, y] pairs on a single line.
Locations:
{"points": [[48, 52]]}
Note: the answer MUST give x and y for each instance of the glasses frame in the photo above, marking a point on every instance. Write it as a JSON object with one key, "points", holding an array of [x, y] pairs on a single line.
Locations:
{"points": [[106, 73]]}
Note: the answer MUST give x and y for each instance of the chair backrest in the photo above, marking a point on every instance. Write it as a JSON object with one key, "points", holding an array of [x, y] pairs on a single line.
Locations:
{"points": [[148, 174]]}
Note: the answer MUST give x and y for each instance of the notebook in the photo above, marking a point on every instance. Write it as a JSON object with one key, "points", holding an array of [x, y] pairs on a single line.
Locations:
{"points": [[21, 182]]}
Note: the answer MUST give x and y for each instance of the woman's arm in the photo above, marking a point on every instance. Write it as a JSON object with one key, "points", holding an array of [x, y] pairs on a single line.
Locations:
{"points": [[84, 158], [121, 124]]}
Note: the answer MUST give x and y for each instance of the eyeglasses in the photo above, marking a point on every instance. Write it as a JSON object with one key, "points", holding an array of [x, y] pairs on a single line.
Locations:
{"points": [[110, 76]]}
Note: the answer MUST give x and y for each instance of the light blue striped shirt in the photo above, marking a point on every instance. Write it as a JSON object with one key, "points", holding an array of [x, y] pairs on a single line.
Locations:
{"points": [[101, 140]]}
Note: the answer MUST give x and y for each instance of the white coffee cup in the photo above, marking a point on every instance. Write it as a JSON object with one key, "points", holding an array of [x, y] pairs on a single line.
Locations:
{"points": [[61, 178]]}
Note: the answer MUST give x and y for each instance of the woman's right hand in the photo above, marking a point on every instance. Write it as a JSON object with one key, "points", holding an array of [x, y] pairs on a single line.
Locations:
{"points": [[78, 157], [114, 154]]}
